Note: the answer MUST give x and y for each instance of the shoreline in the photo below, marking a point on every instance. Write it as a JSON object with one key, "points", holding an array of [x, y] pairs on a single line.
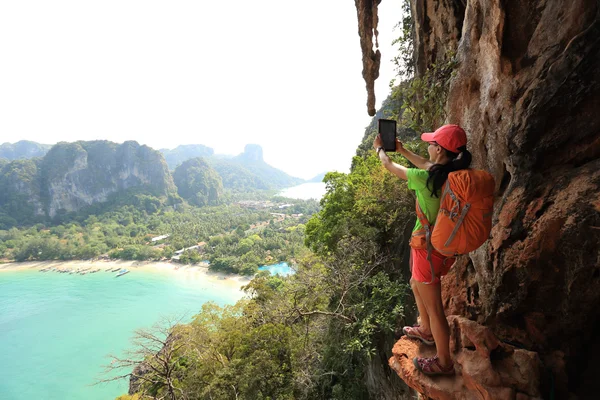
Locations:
{"points": [[195, 270]]}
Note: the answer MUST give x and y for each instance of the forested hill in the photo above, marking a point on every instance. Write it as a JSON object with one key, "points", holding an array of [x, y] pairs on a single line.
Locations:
{"points": [[72, 176], [23, 149], [252, 160], [244, 172], [177, 156], [198, 183]]}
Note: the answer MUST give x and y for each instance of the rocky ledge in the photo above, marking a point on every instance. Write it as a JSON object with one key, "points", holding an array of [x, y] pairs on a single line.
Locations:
{"points": [[485, 367]]}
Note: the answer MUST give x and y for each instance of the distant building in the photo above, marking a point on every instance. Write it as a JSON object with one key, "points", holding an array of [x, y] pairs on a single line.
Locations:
{"points": [[161, 237], [197, 247], [284, 206], [255, 204]]}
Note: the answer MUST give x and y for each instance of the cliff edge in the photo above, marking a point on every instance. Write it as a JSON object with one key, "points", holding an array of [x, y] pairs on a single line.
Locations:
{"points": [[527, 91]]}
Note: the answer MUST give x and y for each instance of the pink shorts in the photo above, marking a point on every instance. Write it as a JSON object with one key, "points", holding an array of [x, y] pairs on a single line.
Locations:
{"points": [[421, 269]]}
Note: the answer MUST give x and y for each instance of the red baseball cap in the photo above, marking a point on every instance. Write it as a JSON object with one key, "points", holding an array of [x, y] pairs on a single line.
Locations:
{"points": [[450, 137]]}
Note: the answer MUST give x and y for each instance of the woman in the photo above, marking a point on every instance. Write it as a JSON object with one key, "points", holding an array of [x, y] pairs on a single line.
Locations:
{"points": [[447, 152]]}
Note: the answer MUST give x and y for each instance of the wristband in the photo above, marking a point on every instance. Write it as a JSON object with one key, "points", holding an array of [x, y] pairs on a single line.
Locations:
{"points": [[379, 149]]}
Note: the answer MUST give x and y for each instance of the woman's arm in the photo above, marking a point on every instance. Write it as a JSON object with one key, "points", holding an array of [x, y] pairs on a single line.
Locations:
{"points": [[417, 160], [396, 169]]}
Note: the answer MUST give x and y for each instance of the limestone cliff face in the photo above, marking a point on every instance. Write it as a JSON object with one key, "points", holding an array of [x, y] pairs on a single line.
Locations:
{"points": [[527, 91], [252, 153], [78, 174], [75, 175]]}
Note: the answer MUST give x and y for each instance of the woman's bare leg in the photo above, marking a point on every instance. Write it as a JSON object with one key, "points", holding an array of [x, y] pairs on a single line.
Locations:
{"points": [[424, 325], [431, 296]]}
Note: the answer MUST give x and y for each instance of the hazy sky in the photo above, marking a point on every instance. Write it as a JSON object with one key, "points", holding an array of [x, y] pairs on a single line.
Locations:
{"points": [[282, 74]]}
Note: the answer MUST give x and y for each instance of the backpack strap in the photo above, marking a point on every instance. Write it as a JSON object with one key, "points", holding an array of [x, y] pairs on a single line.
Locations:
{"points": [[454, 212], [447, 191], [463, 214], [423, 219]]}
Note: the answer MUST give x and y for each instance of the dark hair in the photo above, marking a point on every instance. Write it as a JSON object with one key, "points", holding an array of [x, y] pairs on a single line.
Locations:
{"points": [[438, 173]]}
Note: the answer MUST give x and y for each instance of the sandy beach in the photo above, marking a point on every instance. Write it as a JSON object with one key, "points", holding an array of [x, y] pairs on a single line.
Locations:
{"points": [[195, 271]]}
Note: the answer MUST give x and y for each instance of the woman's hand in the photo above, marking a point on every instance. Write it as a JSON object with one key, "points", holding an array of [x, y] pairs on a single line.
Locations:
{"points": [[399, 146], [378, 142]]}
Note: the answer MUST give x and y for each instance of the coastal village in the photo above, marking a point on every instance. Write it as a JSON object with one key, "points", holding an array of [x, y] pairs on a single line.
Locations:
{"points": [[159, 241]]}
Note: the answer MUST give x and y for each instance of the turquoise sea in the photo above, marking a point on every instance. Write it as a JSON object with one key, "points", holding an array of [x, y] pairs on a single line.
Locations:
{"points": [[56, 330], [281, 268]]}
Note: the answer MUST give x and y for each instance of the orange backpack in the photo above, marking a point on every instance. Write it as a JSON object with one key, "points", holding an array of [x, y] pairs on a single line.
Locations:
{"points": [[464, 220]]}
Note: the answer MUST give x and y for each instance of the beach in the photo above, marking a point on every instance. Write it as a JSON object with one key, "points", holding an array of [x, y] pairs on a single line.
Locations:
{"points": [[192, 272]]}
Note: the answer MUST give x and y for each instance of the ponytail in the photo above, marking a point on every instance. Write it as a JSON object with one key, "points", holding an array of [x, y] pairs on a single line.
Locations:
{"points": [[438, 173]]}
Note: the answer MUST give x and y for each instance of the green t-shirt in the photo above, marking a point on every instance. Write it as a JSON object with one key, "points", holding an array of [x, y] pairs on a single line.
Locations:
{"points": [[417, 181]]}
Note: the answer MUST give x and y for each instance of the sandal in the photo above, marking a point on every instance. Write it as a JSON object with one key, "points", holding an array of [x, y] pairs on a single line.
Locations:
{"points": [[432, 367], [414, 332]]}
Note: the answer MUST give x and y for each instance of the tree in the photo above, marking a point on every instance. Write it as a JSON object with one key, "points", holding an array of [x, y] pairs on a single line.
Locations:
{"points": [[155, 361]]}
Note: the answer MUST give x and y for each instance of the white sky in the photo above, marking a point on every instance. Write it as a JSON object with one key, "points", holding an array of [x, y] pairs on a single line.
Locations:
{"points": [[283, 74]]}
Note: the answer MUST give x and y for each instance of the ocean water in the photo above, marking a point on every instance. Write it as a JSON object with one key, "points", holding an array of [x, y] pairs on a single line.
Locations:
{"points": [[305, 191], [56, 330], [281, 268]]}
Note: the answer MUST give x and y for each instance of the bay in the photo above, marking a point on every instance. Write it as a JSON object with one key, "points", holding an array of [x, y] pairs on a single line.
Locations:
{"points": [[56, 330], [305, 191]]}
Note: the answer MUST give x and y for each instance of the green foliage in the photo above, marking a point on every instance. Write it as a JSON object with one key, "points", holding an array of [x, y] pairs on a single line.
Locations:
{"points": [[404, 62], [123, 230], [391, 108], [380, 308], [19, 185], [236, 177], [362, 233], [369, 203], [136, 252], [243, 251], [424, 98], [198, 183]]}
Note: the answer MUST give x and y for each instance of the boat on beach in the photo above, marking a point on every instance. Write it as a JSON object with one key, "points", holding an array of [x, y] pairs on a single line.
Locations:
{"points": [[122, 272]]}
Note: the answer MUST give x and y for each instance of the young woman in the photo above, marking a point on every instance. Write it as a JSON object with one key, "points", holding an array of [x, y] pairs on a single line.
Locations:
{"points": [[447, 152]]}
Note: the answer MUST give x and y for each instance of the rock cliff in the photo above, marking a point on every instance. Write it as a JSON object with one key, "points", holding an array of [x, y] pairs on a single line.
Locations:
{"points": [[82, 173], [75, 175], [527, 91]]}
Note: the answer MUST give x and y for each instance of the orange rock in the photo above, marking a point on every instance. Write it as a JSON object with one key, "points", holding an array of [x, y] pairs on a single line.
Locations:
{"points": [[485, 367]]}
